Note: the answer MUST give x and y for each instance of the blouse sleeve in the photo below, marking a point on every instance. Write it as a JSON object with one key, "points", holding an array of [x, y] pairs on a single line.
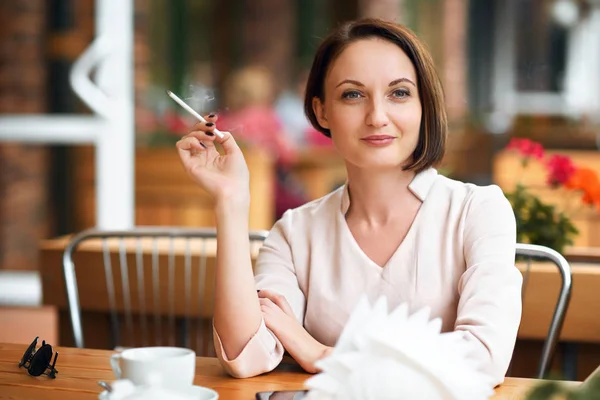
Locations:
{"points": [[489, 309], [274, 271]]}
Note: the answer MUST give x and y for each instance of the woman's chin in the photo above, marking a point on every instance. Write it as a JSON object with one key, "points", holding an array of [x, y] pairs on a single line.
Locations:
{"points": [[380, 164], [383, 159]]}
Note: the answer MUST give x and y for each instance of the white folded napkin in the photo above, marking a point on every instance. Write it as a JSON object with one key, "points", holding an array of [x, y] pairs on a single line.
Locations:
{"points": [[383, 356]]}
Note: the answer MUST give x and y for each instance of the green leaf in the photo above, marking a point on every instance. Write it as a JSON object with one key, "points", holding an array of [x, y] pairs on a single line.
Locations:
{"points": [[538, 222], [545, 391]]}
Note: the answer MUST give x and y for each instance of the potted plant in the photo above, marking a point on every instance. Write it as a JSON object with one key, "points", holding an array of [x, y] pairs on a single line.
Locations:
{"points": [[543, 223]]}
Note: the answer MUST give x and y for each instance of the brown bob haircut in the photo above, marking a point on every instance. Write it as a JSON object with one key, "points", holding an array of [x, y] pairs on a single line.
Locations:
{"points": [[434, 125]]}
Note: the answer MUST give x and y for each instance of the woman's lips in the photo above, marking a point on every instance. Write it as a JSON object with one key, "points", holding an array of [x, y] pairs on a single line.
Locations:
{"points": [[378, 140]]}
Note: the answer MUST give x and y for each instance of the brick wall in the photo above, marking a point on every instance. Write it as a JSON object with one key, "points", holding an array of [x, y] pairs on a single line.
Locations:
{"points": [[23, 167]]}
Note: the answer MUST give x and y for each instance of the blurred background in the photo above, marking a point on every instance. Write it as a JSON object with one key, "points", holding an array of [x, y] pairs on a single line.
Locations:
{"points": [[511, 69]]}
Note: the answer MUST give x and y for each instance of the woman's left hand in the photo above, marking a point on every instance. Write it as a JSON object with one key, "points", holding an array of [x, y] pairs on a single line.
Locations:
{"points": [[280, 319]]}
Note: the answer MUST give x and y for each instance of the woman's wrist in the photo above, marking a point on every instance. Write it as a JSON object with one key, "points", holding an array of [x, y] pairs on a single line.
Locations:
{"points": [[321, 353], [238, 206], [313, 352]]}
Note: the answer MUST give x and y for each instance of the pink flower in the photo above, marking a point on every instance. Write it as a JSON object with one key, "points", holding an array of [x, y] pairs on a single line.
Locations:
{"points": [[527, 148], [146, 121], [175, 123], [560, 170]]}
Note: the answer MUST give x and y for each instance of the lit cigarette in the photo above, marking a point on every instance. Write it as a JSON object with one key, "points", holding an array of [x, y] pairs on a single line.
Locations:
{"points": [[191, 111]]}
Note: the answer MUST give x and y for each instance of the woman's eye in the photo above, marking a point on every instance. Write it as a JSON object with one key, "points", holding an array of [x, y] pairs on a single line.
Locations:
{"points": [[400, 93], [351, 95]]}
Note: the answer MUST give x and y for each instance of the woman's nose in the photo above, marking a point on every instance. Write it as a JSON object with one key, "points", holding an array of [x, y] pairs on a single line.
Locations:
{"points": [[377, 114]]}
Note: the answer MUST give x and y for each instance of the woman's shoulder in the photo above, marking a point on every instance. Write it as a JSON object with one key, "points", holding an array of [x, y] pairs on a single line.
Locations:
{"points": [[311, 215], [472, 201], [318, 208], [468, 191]]}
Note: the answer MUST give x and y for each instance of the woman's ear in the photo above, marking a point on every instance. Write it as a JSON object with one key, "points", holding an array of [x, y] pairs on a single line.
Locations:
{"points": [[319, 110]]}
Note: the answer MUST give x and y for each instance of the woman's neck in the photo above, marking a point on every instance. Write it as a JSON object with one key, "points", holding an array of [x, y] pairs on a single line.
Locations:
{"points": [[378, 197]]}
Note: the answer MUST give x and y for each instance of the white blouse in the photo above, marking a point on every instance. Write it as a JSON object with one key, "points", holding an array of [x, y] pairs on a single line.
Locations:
{"points": [[458, 258]]}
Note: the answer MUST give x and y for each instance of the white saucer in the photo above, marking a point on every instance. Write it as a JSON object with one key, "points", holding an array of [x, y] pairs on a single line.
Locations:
{"points": [[196, 392], [201, 393]]}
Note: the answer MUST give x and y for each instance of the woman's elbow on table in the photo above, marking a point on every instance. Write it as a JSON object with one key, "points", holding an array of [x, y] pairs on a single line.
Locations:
{"points": [[491, 354], [496, 370], [242, 371], [262, 354]]}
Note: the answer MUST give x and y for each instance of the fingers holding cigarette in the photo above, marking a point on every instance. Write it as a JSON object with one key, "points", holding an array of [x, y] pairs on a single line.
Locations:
{"points": [[193, 112], [205, 132], [189, 148], [203, 162], [191, 143]]}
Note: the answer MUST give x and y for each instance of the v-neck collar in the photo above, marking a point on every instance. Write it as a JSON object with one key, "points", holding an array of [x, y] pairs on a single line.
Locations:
{"points": [[419, 186]]}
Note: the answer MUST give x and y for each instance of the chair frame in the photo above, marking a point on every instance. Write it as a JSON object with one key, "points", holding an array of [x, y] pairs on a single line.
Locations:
{"points": [[137, 232], [541, 252]]}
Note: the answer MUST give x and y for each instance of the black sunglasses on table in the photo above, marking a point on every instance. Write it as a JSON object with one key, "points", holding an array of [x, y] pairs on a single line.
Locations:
{"points": [[37, 362]]}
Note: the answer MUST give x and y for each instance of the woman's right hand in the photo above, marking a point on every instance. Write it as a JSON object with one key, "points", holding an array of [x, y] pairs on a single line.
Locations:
{"points": [[224, 176]]}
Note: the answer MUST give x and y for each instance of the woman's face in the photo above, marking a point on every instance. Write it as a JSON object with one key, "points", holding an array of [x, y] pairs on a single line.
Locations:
{"points": [[372, 105]]}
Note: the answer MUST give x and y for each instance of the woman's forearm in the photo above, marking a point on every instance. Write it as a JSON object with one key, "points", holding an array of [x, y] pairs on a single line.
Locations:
{"points": [[237, 314], [300, 344]]}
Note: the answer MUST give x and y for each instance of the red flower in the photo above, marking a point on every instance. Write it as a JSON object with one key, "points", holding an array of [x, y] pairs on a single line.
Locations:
{"points": [[527, 148], [586, 180], [560, 170]]}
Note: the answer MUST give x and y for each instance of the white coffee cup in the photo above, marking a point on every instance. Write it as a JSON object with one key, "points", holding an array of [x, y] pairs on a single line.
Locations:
{"points": [[158, 366]]}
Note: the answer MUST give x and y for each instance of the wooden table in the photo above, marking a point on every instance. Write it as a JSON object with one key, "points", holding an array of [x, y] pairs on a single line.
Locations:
{"points": [[583, 254], [80, 369]]}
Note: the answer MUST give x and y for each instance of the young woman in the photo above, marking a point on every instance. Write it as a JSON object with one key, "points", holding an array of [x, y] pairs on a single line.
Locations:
{"points": [[396, 229]]}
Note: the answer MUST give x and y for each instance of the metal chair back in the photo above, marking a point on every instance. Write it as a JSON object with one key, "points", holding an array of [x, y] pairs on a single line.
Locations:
{"points": [[140, 303], [536, 252]]}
